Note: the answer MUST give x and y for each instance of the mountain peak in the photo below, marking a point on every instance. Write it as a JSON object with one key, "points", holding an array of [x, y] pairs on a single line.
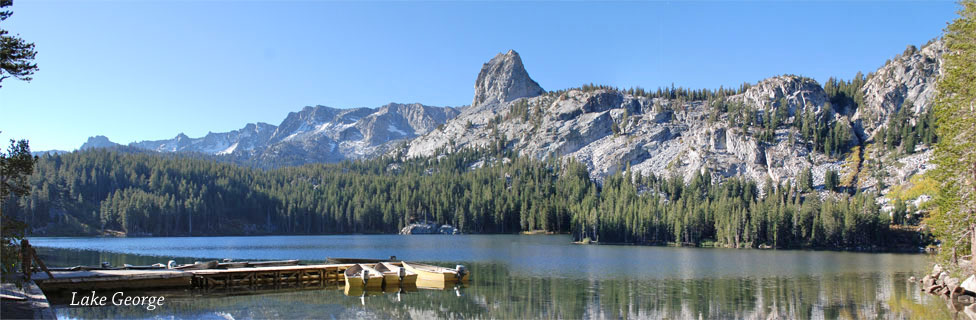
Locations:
{"points": [[504, 79], [97, 142]]}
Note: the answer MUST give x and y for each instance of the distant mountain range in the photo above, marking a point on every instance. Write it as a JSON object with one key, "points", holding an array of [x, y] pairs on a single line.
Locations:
{"points": [[314, 134], [610, 129]]}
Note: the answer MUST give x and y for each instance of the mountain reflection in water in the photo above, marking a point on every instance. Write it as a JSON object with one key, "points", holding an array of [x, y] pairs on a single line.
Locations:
{"points": [[534, 277]]}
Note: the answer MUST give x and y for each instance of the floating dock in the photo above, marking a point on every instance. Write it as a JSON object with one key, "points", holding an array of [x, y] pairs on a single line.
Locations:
{"points": [[300, 276], [270, 277], [112, 279]]}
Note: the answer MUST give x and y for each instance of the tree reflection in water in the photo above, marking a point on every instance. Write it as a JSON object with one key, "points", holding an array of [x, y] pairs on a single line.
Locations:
{"points": [[497, 291]]}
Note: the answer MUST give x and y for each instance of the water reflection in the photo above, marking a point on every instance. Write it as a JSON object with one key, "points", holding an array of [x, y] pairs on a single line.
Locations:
{"points": [[526, 280]]}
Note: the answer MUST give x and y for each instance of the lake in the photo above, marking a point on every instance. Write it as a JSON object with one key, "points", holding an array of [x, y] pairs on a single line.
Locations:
{"points": [[537, 276]]}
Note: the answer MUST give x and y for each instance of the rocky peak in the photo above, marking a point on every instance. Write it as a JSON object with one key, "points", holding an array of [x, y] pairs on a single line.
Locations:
{"points": [[504, 79], [259, 127], [304, 120], [909, 76], [799, 93], [420, 118], [98, 142]]}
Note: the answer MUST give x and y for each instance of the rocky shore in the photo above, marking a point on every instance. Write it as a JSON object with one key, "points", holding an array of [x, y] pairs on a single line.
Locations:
{"points": [[429, 228], [959, 297]]}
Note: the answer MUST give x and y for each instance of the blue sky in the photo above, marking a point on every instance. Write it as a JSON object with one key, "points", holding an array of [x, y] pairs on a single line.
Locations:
{"points": [[141, 70]]}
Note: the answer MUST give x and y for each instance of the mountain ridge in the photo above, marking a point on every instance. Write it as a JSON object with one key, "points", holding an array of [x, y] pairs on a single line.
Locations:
{"points": [[774, 129], [770, 130], [312, 134]]}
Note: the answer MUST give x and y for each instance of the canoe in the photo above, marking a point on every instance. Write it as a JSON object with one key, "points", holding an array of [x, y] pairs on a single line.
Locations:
{"points": [[429, 273], [357, 260], [359, 275], [392, 276], [273, 263], [158, 266], [199, 266], [232, 265]]}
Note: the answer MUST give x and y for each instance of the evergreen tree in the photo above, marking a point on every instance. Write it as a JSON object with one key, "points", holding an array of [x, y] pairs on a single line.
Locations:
{"points": [[831, 180], [16, 55], [954, 219], [16, 165]]}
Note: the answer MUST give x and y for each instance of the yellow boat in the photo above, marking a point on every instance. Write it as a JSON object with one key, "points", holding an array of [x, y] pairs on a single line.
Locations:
{"points": [[429, 273], [359, 275], [392, 275]]}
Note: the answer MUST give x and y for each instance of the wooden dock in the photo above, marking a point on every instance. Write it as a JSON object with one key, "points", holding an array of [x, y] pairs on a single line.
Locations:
{"points": [[256, 277], [112, 279], [301, 276], [298, 276]]}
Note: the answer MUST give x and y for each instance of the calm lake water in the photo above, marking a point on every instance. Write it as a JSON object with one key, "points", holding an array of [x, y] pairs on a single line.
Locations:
{"points": [[532, 277]]}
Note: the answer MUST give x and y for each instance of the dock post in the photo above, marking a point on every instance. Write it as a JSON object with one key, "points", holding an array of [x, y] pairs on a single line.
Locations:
{"points": [[25, 259]]}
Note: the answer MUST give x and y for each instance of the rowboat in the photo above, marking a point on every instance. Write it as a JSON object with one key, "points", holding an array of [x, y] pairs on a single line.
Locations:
{"points": [[199, 265], [331, 260], [395, 275], [273, 263], [429, 273], [359, 275], [232, 265]]}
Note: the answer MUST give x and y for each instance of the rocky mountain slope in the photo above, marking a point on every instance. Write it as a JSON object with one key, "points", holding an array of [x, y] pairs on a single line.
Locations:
{"points": [[314, 134], [909, 77], [770, 130], [755, 132]]}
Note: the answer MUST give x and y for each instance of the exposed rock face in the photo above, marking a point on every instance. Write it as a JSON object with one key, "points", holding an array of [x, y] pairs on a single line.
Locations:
{"points": [[609, 130], [250, 137], [910, 76], [314, 134], [323, 134], [799, 93], [504, 79], [97, 142], [429, 228], [659, 136]]}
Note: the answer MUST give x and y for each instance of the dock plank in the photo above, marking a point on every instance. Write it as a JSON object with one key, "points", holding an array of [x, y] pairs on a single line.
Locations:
{"points": [[315, 275]]}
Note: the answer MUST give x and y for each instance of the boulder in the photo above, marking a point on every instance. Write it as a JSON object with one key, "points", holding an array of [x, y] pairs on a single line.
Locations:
{"points": [[419, 228], [448, 229], [969, 284], [429, 228], [927, 281], [960, 297], [970, 311], [950, 282]]}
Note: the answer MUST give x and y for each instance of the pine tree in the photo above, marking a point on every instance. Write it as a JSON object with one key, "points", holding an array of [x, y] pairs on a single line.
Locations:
{"points": [[16, 165], [16, 55], [831, 180], [954, 219]]}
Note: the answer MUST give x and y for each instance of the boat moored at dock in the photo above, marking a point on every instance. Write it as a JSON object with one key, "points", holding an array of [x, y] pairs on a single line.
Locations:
{"points": [[429, 273], [394, 275], [360, 275]]}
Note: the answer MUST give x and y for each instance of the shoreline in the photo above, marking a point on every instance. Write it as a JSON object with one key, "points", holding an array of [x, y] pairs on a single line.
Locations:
{"points": [[709, 244]]}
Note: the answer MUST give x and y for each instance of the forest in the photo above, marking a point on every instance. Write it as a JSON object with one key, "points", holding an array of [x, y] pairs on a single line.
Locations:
{"points": [[138, 193]]}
